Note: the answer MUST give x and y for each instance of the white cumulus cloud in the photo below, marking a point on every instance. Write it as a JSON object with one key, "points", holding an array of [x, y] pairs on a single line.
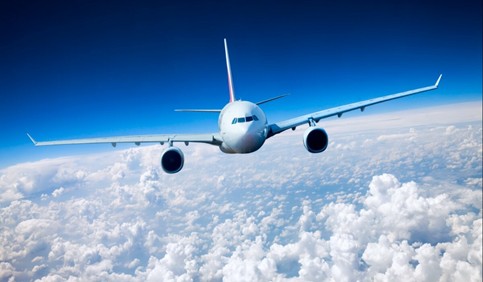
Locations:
{"points": [[395, 197]]}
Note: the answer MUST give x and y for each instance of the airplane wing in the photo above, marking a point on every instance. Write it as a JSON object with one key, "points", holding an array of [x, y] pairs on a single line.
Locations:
{"points": [[279, 127], [213, 139]]}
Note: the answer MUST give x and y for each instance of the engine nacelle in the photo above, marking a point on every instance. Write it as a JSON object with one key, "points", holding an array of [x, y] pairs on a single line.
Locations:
{"points": [[315, 139], [172, 160]]}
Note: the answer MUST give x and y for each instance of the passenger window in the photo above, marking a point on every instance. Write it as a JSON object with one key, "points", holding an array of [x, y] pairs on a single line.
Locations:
{"points": [[242, 119], [249, 119], [234, 121]]}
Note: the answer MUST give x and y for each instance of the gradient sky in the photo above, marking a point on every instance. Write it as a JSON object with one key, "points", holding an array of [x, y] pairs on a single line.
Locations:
{"points": [[72, 69]]}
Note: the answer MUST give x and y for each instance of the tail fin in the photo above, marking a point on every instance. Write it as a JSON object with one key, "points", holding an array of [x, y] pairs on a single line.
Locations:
{"points": [[228, 68]]}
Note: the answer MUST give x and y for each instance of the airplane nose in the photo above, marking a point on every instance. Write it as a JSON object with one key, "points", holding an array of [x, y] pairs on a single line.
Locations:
{"points": [[249, 140], [244, 138]]}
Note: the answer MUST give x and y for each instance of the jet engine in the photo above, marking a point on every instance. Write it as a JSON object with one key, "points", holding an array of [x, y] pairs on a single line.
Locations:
{"points": [[172, 160], [315, 139]]}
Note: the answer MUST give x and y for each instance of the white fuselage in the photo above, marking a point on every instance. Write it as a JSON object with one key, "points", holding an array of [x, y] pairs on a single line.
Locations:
{"points": [[243, 127]]}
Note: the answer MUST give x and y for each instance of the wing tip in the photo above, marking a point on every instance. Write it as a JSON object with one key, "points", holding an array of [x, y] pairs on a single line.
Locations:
{"points": [[437, 81], [32, 139]]}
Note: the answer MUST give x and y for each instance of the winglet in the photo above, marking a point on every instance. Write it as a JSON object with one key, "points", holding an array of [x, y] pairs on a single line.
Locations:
{"points": [[228, 68], [32, 139], [437, 82]]}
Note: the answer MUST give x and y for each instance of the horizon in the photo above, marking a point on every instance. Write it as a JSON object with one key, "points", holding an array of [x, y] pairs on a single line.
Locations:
{"points": [[367, 119], [71, 70]]}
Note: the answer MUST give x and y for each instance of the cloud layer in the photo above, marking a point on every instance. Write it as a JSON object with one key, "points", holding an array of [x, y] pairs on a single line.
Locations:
{"points": [[387, 202]]}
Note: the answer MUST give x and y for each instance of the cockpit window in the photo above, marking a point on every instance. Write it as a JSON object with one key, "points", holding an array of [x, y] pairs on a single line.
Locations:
{"points": [[244, 119]]}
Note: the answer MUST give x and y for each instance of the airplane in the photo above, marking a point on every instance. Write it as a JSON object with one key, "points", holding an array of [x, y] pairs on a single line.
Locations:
{"points": [[243, 127]]}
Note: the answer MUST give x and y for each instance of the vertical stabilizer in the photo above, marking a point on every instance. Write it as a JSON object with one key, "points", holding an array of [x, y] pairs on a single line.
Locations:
{"points": [[228, 69]]}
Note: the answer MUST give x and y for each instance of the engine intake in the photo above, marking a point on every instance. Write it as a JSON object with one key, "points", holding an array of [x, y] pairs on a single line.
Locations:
{"points": [[315, 139], [172, 160]]}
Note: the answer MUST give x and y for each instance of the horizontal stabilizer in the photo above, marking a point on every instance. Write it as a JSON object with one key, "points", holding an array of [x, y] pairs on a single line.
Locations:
{"points": [[199, 110], [271, 99]]}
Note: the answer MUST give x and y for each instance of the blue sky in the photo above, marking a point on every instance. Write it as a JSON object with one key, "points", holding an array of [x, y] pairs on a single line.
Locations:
{"points": [[73, 69]]}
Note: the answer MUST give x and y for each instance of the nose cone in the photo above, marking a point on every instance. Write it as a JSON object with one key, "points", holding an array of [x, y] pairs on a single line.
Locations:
{"points": [[246, 139]]}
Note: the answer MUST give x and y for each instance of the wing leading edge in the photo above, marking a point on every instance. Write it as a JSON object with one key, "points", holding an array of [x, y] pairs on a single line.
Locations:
{"points": [[213, 139], [279, 127]]}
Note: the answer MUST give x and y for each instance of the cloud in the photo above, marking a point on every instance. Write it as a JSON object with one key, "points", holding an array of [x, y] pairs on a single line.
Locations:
{"points": [[406, 206]]}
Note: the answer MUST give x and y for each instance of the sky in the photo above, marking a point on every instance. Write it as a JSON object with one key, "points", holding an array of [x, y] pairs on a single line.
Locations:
{"points": [[397, 196], [73, 69]]}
